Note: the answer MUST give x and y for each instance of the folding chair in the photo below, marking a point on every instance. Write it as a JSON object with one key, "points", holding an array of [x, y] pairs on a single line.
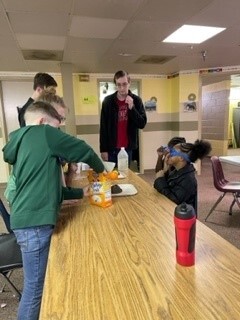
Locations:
{"points": [[10, 253], [6, 216], [223, 185]]}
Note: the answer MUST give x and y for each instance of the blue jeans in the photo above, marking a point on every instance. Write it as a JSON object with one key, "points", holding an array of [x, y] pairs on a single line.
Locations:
{"points": [[34, 243]]}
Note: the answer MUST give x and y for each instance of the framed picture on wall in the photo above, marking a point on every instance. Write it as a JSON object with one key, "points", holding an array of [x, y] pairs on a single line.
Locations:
{"points": [[189, 106], [151, 105]]}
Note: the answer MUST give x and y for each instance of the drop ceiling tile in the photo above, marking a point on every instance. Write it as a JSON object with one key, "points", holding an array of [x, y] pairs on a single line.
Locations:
{"points": [[52, 6], [4, 26], [130, 47], [86, 27], [83, 60], [39, 23], [218, 14], [76, 57], [40, 42], [87, 45], [11, 60], [124, 9], [42, 66], [170, 10]]}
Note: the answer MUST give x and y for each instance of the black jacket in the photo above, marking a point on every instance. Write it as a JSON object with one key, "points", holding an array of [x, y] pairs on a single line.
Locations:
{"points": [[21, 112], [179, 186], [137, 119]]}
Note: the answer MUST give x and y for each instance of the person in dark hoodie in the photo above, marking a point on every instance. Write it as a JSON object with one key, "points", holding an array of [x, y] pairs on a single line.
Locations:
{"points": [[41, 81], [180, 185], [34, 153]]}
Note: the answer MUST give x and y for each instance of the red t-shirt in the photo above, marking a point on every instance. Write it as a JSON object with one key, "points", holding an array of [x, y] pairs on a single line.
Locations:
{"points": [[122, 136]]}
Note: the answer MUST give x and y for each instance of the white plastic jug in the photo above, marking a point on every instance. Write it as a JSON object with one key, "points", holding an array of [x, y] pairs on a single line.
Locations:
{"points": [[123, 161]]}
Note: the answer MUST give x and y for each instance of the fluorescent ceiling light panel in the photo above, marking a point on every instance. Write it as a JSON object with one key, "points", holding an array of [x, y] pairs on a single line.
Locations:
{"points": [[193, 34]]}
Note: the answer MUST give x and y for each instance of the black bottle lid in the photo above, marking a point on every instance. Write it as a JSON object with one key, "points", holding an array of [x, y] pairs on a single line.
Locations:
{"points": [[184, 211]]}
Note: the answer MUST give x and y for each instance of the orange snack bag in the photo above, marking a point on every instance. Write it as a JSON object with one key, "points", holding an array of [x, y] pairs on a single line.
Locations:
{"points": [[100, 189]]}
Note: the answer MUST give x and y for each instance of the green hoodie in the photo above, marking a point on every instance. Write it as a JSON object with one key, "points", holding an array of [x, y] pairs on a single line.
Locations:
{"points": [[34, 152]]}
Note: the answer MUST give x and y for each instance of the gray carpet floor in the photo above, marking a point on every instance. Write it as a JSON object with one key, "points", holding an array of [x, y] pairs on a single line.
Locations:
{"points": [[226, 226]]}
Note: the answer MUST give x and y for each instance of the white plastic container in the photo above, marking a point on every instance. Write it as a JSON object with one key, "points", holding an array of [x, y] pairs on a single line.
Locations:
{"points": [[123, 161]]}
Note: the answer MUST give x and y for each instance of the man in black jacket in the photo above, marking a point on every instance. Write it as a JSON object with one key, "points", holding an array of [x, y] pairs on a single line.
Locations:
{"points": [[41, 81], [122, 115]]}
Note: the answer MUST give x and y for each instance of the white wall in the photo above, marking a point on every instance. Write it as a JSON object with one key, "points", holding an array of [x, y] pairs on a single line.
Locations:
{"points": [[15, 93]]}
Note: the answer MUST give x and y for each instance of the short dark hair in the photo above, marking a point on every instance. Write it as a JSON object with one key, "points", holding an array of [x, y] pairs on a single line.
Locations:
{"points": [[43, 80], [120, 74], [45, 108], [176, 140]]}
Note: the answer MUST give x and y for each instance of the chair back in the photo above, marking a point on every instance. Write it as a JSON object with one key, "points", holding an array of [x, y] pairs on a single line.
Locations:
{"points": [[6, 216], [10, 252], [218, 175]]}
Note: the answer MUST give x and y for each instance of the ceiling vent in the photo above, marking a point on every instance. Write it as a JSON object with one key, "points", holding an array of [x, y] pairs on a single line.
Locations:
{"points": [[45, 55], [154, 59]]}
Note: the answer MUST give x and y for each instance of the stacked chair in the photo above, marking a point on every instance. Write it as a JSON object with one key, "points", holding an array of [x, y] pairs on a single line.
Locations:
{"points": [[224, 186]]}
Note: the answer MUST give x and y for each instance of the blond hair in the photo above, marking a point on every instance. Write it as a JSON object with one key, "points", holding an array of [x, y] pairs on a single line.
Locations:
{"points": [[49, 95]]}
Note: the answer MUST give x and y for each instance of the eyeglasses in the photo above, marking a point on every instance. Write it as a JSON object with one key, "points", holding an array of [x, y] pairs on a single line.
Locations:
{"points": [[119, 85], [62, 119]]}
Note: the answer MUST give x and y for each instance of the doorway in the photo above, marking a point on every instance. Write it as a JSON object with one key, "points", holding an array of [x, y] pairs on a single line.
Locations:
{"points": [[14, 94]]}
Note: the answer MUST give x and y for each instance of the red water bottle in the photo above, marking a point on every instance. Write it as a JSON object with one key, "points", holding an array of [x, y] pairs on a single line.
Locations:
{"points": [[185, 229]]}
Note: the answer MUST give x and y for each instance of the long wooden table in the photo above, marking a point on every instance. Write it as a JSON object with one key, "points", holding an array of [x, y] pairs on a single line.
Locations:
{"points": [[118, 263], [235, 160]]}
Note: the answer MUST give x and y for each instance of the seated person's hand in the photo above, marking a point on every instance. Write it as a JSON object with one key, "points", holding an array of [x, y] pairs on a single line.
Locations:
{"points": [[160, 151], [165, 163], [163, 150], [104, 156], [162, 159], [160, 174]]}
